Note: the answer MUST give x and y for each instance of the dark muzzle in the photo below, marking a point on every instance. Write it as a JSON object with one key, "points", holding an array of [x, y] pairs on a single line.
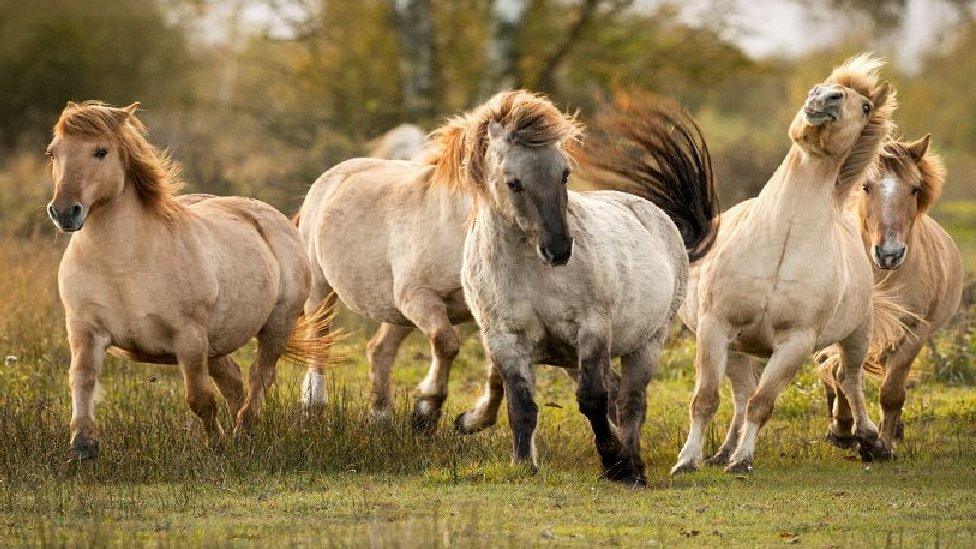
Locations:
{"points": [[69, 218]]}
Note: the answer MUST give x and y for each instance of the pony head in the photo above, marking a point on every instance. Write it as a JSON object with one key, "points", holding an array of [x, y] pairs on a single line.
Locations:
{"points": [[907, 181], [96, 150], [847, 116], [509, 155]]}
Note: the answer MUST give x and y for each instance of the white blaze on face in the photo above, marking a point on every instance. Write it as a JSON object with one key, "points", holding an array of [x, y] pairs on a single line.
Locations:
{"points": [[888, 188]]}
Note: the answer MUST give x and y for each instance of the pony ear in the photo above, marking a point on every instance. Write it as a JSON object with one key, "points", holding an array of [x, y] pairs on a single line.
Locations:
{"points": [[917, 149], [881, 96], [131, 108], [71, 105], [497, 133]]}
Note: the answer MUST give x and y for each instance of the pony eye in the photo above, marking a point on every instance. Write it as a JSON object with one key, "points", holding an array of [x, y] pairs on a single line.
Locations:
{"points": [[915, 191], [100, 152], [866, 107], [867, 188], [565, 177], [515, 184]]}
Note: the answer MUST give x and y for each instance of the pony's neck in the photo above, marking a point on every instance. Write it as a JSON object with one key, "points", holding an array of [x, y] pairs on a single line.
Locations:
{"points": [[506, 236], [805, 186], [118, 222]]}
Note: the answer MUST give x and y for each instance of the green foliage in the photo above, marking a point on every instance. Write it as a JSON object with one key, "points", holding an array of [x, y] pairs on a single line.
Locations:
{"points": [[57, 50]]}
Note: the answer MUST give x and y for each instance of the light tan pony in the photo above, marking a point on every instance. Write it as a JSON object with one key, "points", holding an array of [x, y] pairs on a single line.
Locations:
{"points": [[167, 279], [788, 275], [915, 261], [386, 236]]}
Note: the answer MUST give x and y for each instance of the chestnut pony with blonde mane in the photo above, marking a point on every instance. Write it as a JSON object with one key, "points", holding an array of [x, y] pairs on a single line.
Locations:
{"points": [[915, 261], [787, 274], [167, 279]]}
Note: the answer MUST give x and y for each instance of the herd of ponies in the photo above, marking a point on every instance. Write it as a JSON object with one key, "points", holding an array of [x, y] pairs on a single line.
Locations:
{"points": [[836, 256]]}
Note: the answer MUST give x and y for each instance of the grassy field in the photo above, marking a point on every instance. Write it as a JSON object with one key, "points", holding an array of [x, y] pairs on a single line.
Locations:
{"points": [[340, 480]]}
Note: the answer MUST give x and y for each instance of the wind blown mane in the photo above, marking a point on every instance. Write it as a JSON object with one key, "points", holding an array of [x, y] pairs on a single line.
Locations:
{"points": [[652, 148], [149, 170], [897, 159], [457, 149], [861, 74]]}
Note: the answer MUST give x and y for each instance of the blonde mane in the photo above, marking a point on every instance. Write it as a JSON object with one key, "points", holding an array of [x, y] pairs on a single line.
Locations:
{"points": [[457, 149], [861, 74], [151, 171], [896, 158]]}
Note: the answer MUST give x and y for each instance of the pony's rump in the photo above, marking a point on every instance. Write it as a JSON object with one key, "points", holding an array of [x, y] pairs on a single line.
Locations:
{"points": [[650, 147]]}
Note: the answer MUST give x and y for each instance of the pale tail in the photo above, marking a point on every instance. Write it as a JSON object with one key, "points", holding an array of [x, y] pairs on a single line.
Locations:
{"points": [[311, 339]]}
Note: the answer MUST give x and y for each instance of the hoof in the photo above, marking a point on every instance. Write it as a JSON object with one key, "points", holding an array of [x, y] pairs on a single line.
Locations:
{"points": [[83, 448], [739, 467], [380, 416], [424, 423], [875, 449], [720, 458], [626, 471], [681, 468], [460, 426], [842, 442]]}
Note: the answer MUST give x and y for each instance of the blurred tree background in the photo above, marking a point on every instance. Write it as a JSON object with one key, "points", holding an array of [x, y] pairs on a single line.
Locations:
{"points": [[259, 97]]}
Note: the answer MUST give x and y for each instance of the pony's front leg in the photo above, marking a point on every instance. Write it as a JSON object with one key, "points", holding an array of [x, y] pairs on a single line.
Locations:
{"points": [[512, 355], [851, 377], [840, 422], [742, 373], [87, 353], [192, 354], [593, 396], [631, 409], [485, 411], [787, 359], [381, 351], [710, 360]]}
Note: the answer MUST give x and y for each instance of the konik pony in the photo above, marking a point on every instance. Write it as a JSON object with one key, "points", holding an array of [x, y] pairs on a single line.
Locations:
{"points": [[168, 279], [915, 261], [386, 237], [788, 275], [576, 279]]}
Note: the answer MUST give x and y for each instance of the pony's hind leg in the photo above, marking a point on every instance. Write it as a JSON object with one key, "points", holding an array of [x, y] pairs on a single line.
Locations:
{"points": [[636, 370], [897, 367], [272, 340], [313, 385], [851, 377], [593, 396], [381, 352], [227, 377], [485, 411], [87, 352], [710, 361], [429, 313], [840, 422], [741, 370], [783, 365], [192, 354]]}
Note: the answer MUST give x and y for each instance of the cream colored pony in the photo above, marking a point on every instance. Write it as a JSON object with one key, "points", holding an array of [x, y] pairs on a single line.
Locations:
{"points": [[167, 279], [386, 237], [915, 261], [788, 275]]}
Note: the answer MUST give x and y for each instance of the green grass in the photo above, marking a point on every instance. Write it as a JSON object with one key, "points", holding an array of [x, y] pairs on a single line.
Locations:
{"points": [[341, 480]]}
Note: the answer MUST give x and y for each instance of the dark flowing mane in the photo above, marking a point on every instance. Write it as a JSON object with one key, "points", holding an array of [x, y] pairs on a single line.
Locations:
{"points": [[898, 157], [457, 149], [149, 170], [652, 148]]}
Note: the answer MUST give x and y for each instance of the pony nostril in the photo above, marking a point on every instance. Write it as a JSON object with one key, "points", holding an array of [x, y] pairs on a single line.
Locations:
{"points": [[51, 211], [75, 211]]}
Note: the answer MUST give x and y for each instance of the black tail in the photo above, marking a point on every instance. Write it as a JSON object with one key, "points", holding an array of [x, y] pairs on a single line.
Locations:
{"points": [[652, 148]]}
